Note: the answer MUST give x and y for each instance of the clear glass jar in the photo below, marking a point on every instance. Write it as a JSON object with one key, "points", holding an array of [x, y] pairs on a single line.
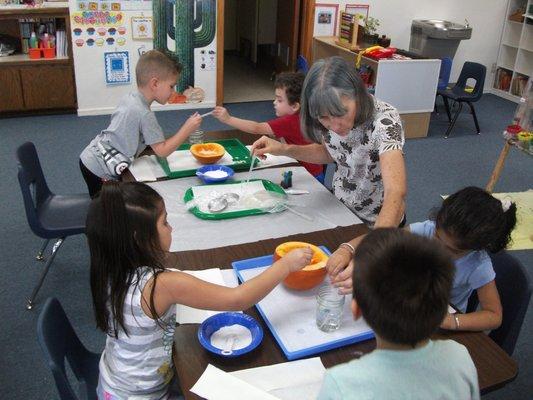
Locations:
{"points": [[196, 137], [329, 308]]}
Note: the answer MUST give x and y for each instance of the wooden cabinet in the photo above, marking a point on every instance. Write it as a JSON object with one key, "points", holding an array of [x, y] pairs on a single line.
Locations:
{"points": [[11, 98], [47, 87], [32, 85], [392, 79]]}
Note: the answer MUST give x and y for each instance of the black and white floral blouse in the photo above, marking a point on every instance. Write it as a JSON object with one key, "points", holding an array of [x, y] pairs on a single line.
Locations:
{"points": [[357, 180]]}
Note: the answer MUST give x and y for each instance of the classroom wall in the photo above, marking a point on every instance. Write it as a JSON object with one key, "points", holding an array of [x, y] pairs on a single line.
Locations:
{"points": [[486, 17], [94, 95]]}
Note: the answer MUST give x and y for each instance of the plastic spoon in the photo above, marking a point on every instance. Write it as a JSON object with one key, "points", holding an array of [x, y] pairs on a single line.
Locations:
{"points": [[228, 346], [207, 113]]}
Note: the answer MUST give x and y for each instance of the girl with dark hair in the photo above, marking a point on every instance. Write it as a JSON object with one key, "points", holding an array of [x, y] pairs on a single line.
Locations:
{"points": [[363, 136], [471, 223], [133, 294]]}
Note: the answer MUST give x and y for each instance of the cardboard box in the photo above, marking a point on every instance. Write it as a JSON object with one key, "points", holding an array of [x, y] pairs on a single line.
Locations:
{"points": [[415, 125]]}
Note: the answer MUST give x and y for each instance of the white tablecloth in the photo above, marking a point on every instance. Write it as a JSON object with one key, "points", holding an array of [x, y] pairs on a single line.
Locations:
{"points": [[192, 233]]}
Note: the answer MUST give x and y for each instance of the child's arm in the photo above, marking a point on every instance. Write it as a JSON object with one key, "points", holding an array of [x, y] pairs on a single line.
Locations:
{"points": [[255, 128], [181, 288], [487, 318], [168, 146]]}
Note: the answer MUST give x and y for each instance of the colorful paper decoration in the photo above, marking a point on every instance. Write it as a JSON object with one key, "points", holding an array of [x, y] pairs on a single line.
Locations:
{"points": [[117, 67], [142, 28]]}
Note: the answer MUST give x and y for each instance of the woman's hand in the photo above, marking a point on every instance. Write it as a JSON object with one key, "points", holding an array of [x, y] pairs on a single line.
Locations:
{"points": [[296, 259], [265, 145], [221, 114], [343, 280], [338, 261], [192, 123]]}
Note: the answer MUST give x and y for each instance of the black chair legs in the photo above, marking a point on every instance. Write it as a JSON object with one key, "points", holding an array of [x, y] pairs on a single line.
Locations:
{"points": [[39, 256], [475, 117], [55, 249], [447, 107], [452, 123]]}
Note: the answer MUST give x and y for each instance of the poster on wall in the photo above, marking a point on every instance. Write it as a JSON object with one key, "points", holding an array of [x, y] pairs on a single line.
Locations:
{"points": [[142, 28], [326, 19], [117, 68]]}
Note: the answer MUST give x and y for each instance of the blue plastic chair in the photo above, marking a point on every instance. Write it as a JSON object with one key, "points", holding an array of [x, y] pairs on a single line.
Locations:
{"points": [[458, 94], [444, 73], [301, 64], [514, 287], [49, 215], [59, 342]]}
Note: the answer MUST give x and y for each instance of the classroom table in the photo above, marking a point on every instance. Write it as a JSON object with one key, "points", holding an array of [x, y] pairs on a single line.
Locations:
{"points": [[495, 368]]}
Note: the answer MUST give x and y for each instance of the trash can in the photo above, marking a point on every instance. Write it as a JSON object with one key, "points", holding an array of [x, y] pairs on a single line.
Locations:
{"points": [[435, 38]]}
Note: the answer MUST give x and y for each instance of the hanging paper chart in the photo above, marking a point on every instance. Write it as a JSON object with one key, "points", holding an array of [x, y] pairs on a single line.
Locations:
{"points": [[117, 68]]}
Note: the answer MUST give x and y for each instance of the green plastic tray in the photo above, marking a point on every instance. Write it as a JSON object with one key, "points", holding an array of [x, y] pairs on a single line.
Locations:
{"points": [[270, 186], [236, 149]]}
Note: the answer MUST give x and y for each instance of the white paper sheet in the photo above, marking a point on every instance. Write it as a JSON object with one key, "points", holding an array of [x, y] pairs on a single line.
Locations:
{"points": [[192, 233], [301, 379], [215, 384], [292, 314], [189, 315], [146, 169], [273, 160]]}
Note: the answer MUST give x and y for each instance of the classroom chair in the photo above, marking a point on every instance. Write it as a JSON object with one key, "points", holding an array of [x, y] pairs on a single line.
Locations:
{"points": [[459, 95], [49, 215], [514, 287], [444, 77], [302, 65], [329, 171], [59, 342]]}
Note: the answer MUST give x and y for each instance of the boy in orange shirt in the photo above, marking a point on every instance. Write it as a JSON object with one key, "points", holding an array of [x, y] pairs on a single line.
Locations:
{"points": [[288, 87]]}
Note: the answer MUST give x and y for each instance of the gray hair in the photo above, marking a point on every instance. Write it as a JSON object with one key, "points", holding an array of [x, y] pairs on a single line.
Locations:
{"points": [[326, 83]]}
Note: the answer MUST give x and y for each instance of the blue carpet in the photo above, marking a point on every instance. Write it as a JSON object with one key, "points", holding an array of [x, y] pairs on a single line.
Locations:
{"points": [[435, 166]]}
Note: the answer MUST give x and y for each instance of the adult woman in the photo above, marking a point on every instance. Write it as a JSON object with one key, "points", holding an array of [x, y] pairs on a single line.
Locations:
{"points": [[363, 136]]}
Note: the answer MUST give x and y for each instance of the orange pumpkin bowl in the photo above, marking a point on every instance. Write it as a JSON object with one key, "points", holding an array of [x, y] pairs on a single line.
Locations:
{"points": [[311, 275], [207, 153]]}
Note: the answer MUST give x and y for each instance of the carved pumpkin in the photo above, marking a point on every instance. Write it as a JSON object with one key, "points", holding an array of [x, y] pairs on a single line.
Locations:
{"points": [[207, 153], [311, 275]]}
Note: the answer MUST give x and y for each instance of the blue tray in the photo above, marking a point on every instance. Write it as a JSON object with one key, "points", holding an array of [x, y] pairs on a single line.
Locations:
{"points": [[259, 262]]}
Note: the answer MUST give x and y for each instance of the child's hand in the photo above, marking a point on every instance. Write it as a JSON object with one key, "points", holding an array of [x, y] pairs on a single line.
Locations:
{"points": [[298, 258], [192, 123], [221, 114]]}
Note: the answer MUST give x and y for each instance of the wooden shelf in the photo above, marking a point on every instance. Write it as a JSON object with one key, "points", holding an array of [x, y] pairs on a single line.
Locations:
{"points": [[34, 85], [29, 12], [23, 59]]}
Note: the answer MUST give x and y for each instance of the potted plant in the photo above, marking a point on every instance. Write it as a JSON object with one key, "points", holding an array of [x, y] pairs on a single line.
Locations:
{"points": [[370, 30]]}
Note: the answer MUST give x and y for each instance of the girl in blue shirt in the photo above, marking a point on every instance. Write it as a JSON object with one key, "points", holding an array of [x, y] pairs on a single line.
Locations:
{"points": [[471, 223]]}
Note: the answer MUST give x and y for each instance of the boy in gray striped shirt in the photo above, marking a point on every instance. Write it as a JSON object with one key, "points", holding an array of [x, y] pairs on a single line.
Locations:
{"points": [[134, 126]]}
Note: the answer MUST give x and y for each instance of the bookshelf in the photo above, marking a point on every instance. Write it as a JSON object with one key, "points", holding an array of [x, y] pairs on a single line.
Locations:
{"points": [[515, 57], [43, 84]]}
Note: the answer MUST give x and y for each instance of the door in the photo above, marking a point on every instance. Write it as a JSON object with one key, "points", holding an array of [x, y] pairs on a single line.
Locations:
{"points": [[287, 33]]}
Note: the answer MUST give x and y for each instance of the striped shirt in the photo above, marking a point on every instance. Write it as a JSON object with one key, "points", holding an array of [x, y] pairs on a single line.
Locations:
{"points": [[139, 365]]}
